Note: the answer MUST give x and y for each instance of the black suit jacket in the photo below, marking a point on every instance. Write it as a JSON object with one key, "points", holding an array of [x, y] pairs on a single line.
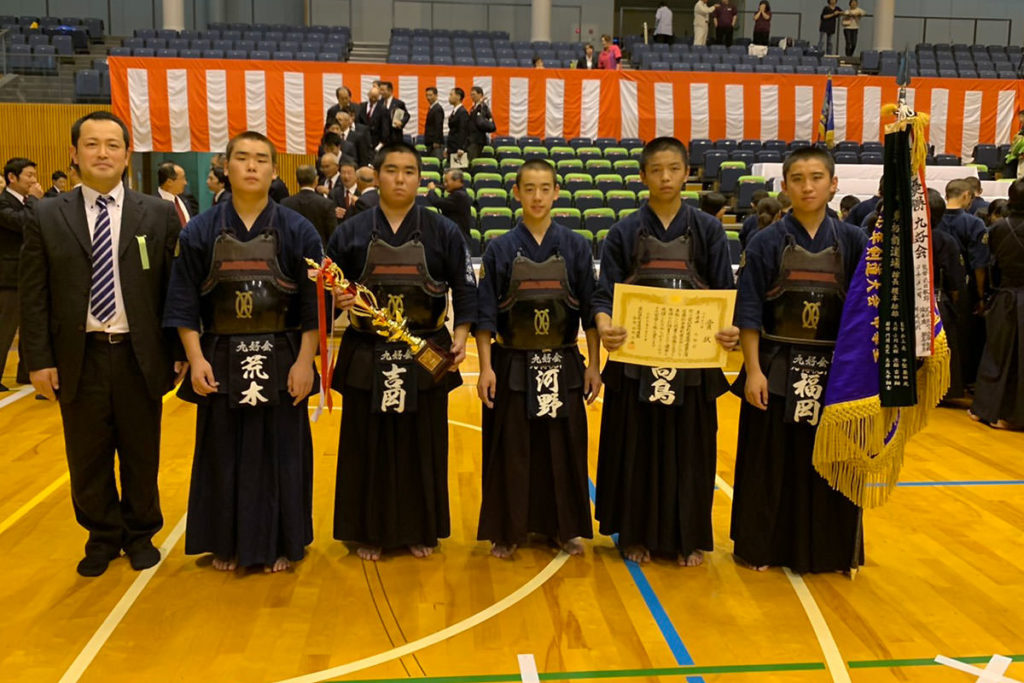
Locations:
{"points": [[374, 125], [191, 203], [359, 139], [477, 116], [581, 62], [369, 199], [332, 113], [52, 192], [433, 132], [458, 130], [56, 274], [278, 190], [455, 206], [390, 133], [317, 209], [14, 216]]}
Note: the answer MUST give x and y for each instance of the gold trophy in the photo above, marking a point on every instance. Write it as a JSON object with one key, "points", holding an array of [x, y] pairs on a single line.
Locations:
{"points": [[430, 356]]}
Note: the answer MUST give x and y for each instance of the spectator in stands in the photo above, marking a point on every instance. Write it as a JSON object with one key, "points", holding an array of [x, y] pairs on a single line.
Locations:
{"points": [[171, 181], [457, 204], [538, 63], [701, 17], [725, 16], [827, 27], [16, 209], [480, 123], [397, 114], [750, 222], [433, 130], [216, 182], [762, 23], [373, 115], [610, 55], [355, 140], [344, 96], [663, 24], [846, 205], [368, 197], [851, 26], [769, 210], [320, 211], [588, 61], [60, 184], [714, 204], [978, 203], [458, 129]]}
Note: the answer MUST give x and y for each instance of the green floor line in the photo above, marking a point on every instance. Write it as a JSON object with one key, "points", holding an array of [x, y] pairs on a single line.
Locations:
{"points": [[681, 671]]}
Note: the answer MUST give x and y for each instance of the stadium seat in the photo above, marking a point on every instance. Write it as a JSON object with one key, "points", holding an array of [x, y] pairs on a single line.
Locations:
{"points": [[491, 197], [483, 164], [578, 181], [494, 218], [595, 166], [588, 199], [569, 166], [607, 182], [747, 185], [729, 173], [595, 220], [486, 180], [620, 199], [570, 218]]}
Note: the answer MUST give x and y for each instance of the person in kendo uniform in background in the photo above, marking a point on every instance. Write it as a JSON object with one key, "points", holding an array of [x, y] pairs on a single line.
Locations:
{"points": [[949, 279], [536, 285], [247, 315]]}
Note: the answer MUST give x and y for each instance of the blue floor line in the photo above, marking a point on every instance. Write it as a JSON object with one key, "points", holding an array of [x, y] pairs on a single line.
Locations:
{"points": [[661, 618]]}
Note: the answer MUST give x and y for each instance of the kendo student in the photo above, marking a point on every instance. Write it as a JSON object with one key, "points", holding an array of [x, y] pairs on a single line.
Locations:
{"points": [[392, 478], [999, 393], [536, 285], [949, 279], [656, 461], [247, 315], [792, 286], [971, 233]]}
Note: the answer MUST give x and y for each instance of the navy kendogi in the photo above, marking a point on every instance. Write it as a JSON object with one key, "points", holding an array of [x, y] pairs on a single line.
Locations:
{"points": [[784, 513], [656, 461], [248, 293], [533, 298], [972, 235], [392, 477]]}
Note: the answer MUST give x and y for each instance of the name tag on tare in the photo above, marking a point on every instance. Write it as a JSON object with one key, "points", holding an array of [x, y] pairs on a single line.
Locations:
{"points": [[143, 251]]}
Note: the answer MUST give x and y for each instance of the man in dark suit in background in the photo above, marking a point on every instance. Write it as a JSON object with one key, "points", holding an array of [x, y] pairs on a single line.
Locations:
{"points": [[392, 105], [374, 116], [318, 210], [368, 197], [344, 96], [94, 274], [458, 124], [60, 184], [216, 182], [278, 190], [481, 124], [433, 131], [355, 140], [456, 204], [16, 205]]}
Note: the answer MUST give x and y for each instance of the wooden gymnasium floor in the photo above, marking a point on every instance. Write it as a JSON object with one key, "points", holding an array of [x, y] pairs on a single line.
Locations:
{"points": [[944, 576]]}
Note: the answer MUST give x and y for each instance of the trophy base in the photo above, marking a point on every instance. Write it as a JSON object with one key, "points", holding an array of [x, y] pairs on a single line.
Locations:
{"points": [[434, 360]]}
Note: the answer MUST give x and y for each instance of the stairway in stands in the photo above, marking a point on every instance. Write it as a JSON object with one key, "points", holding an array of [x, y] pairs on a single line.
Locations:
{"points": [[59, 88], [369, 53]]}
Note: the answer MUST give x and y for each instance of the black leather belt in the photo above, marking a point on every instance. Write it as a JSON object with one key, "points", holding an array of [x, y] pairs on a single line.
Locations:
{"points": [[108, 338]]}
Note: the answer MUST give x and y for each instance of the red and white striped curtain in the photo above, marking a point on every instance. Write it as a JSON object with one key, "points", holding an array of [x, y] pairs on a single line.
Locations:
{"points": [[178, 105]]}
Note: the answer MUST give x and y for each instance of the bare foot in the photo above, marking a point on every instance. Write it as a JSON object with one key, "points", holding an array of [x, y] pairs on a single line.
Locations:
{"points": [[503, 552], [694, 559], [280, 564], [368, 553], [637, 553], [421, 551], [743, 563], [224, 565], [1003, 424], [574, 546]]}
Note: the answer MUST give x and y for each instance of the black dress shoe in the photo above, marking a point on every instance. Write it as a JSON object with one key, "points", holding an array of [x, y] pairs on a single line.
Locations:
{"points": [[3, 387], [143, 558], [93, 565]]}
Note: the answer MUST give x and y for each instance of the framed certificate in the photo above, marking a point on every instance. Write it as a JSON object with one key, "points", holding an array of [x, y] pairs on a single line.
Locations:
{"points": [[672, 328]]}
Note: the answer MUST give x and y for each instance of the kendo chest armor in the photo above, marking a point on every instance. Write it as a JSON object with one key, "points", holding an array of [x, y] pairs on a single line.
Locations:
{"points": [[246, 292], [665, 264], [539, 308], [399, 279], [805, 303]]}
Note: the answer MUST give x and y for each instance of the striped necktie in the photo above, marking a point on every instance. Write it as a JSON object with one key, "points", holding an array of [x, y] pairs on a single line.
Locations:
{"points": [[102, 302]]}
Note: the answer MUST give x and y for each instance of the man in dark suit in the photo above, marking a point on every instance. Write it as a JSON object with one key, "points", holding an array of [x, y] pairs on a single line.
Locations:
{"points": [[458, 124], [480, 123], [344, 96], [355, 140], [588, 60], [94, 274], [278, 190], [397, 112], [457, 204], [433, 131], [216, 183], [318, 210], [373, 115], [16, 205], [368, 197], [60, 184]]}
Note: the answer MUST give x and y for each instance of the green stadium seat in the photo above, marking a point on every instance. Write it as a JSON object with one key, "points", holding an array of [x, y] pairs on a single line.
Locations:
{"points": [[483, 164], [626, 166], [588, 199], [578, 181], [485, 180], [614, 153], [431, 164], [570, 218], [508, 152], [491, 196], [510, 165], [495, 218], [598, 166], [634, 183], [569, 166], [564, 200], [620, 199], [607, 182], [596, 220], [587, 153], [562, 153]]}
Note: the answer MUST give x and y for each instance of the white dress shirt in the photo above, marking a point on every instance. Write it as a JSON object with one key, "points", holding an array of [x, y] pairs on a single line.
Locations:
{"points": [[164, 194], [118, 323]]}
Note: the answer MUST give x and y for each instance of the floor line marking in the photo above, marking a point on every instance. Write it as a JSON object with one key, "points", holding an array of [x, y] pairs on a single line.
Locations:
{"points": [[16, 396], [826, 641], [528, 669], [106, 629]]}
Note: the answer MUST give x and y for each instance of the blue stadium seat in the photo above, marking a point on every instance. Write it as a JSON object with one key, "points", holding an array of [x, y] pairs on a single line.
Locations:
{"points": [[87, 84]]}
